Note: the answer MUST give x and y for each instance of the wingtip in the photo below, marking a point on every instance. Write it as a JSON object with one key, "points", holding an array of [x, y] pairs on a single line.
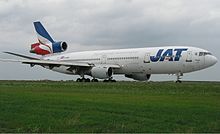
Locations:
{"points": [[5, 52]]}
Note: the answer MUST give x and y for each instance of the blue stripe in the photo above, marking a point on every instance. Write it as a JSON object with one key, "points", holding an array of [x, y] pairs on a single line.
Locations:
{"points": [[42, 31]]}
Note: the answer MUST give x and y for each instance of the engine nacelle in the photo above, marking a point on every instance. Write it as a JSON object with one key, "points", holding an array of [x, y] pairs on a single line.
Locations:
{"points": [[140, 77], [101, 72], [44, 49], [59, 47]]}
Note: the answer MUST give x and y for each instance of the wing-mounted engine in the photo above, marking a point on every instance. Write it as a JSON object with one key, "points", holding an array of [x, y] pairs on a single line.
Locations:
{"points": [[101, 72], [140, 77]]}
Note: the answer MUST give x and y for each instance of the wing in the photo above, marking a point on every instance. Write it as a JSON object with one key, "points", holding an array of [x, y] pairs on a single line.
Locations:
{"points": [[49, 62], [52, 63]]}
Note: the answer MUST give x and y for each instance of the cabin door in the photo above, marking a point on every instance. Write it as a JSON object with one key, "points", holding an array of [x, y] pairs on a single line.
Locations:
{"points": [[147, 58], [189, 56], [103, 59]]}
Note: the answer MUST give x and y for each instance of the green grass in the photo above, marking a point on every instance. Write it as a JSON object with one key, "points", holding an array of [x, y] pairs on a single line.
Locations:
{"points": [[27, 106]]}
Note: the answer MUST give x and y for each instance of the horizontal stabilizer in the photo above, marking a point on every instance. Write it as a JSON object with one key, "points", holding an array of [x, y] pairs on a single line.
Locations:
{"points": [[23, 56]]}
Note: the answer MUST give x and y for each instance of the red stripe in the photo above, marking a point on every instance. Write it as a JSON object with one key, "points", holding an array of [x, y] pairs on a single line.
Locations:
{"points": [[40, 51], [45, 45]]}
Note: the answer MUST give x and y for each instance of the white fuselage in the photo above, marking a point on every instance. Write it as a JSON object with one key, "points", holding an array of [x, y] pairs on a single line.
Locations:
{"points": [[153, 60]]}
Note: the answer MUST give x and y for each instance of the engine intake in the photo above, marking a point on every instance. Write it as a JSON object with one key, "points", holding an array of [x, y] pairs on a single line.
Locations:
{"points": [[101, 72], [59, 47]]}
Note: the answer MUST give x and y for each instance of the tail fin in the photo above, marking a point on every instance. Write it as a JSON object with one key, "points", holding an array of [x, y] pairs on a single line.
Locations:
{"points": [[42, 34], [46, 45]]}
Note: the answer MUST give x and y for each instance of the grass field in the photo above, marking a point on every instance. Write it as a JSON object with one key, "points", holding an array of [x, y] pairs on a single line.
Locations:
{"points": [[109, 107]]}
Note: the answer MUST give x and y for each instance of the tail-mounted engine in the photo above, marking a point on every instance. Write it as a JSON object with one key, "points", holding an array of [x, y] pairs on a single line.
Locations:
{"points": [[44, 49]]}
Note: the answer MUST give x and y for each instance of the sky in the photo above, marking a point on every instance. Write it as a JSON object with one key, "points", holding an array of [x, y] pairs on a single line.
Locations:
{"points": [[108, 24]]}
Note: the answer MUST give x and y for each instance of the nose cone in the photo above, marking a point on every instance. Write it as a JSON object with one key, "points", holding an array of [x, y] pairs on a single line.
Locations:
{"points": [[211, 60], [214, 60]]}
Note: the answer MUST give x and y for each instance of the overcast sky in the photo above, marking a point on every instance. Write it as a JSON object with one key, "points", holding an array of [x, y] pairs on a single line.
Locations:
{"points": [[109, 24]]}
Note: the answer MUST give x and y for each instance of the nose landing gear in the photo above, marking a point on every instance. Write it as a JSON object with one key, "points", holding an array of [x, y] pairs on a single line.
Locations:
{"points": [[178, 75]]}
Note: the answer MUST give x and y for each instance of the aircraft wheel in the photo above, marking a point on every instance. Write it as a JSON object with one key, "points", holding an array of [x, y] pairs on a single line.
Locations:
{"points": [[87, 80], [113, 80], [178, 81], [82, 80], [106, 81], [94, 80], [78, 80]]}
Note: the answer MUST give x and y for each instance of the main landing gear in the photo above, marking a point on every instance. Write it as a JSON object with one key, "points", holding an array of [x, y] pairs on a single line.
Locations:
{"points": [[83, 80], [178, 75], [86, 80], [93, 80]]}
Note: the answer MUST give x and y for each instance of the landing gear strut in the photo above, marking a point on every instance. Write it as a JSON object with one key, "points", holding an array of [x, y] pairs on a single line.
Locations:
{"points": [[178, 75]]}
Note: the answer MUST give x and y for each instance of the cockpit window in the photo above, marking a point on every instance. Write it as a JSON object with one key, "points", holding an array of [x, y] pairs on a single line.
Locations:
{"points": [[201, 53], [208, 53], [204, 53]]}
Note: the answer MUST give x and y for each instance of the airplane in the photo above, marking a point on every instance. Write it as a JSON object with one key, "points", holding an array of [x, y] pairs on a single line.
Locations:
{"points": [[136, 63]]}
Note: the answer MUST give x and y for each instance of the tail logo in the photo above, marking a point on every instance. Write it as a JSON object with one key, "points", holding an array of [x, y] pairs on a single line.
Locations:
{"points": [[46, 43]]}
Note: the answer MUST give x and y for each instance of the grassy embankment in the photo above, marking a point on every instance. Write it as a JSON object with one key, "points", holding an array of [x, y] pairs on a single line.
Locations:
{"points": [[109, 107]]}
